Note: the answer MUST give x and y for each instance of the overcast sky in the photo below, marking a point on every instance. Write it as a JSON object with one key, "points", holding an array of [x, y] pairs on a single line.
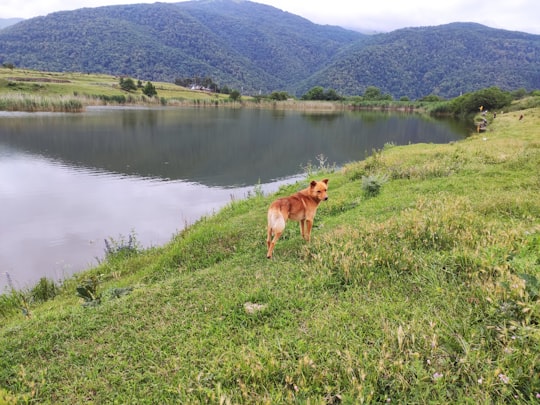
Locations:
{"points": [[369, 15]]}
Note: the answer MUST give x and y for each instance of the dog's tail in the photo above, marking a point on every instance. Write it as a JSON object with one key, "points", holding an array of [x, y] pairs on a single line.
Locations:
{"points": [[276, 222]]}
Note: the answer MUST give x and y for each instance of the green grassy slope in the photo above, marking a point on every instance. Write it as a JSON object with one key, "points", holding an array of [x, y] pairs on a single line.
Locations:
{"points": [[427, 292], [88, 87]]}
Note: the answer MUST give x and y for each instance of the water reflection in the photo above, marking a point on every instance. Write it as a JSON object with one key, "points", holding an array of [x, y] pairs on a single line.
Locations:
{"points": [[54, 217], [214, 147]]}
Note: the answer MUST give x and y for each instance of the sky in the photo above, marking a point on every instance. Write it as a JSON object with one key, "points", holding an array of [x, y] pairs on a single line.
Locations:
{"points": [[365, 16]]}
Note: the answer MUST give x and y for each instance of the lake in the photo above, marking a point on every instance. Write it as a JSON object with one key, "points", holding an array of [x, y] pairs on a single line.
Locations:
{"points": [[70, 181]]}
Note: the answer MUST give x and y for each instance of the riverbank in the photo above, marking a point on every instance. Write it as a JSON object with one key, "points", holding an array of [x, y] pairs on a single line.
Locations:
{"points": [[425, 292], [20, 88], [31, 91]]}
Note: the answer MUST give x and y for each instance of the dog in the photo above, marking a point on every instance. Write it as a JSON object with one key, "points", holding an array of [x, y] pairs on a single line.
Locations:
{"points": [[300, 207]]}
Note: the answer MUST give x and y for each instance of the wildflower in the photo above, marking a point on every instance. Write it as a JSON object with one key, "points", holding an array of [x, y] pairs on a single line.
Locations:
{"points": [[436, 376], [538, 395], [505, 379], [480, 381]]}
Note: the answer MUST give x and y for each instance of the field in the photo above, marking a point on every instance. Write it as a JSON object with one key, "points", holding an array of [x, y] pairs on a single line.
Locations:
{"points": [[421, 285], [17, 86]]}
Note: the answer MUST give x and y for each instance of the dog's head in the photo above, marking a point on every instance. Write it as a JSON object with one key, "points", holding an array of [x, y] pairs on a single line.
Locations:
{"points": [[318, 189]]}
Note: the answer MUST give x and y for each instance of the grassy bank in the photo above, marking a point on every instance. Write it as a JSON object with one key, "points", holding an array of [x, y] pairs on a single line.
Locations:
{"points": [[28, 90], [427, 292]]}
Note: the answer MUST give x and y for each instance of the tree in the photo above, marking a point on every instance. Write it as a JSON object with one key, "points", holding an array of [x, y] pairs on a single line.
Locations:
{"points": [[519, 93], [490, 99], [279, 96], [372, 93], [332, 95], [432, 98], [316, 93], [127, 84], [149, 90], [235, 95]]}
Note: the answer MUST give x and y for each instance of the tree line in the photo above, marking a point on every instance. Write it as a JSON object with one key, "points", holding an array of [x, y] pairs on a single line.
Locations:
{"points": [[128, 84], [491, 98]]}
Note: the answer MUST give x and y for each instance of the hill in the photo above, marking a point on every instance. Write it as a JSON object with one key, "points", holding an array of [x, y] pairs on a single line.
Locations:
{"points": [[257, 48], [427, 292], [238, 44], [446, 60]]}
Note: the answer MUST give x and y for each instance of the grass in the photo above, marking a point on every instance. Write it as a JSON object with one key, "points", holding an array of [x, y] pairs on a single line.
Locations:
{"points": [[425, 292], [33, 103]]}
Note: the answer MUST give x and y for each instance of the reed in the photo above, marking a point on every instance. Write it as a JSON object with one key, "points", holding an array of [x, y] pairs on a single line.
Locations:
{"points": [[37, 103]]}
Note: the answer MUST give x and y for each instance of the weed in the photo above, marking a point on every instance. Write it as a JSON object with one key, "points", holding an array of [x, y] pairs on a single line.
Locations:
{"points": [[117, 292], [44, 290], [7, 398], [119, 249], [322, 167], [23, 300], [372, 184], [257, 191], [87, 290], [15, 300]]}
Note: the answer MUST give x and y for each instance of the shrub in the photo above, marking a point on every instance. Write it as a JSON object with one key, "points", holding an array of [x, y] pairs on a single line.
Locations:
{"points": [[88, 292], [371, 185], [149, 90]]}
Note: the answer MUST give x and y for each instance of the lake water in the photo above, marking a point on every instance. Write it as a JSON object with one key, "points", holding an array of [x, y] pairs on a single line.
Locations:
{"points": [[70, 181]]}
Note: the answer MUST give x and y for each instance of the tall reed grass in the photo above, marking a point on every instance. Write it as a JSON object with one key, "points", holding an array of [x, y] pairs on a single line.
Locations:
{"points": [[36, 103]]}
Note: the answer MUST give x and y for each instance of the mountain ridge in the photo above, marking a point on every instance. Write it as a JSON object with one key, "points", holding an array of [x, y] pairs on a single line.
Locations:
{"points": [[257, 48], [458, 58]]}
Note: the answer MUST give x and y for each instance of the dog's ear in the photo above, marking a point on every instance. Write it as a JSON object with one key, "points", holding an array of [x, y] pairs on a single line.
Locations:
{"points": [[325, 181], [313, 183]]}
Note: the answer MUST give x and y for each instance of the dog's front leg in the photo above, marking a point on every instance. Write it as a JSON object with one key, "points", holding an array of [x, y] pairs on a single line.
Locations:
{"points": [[302, 221], [309, 225]]}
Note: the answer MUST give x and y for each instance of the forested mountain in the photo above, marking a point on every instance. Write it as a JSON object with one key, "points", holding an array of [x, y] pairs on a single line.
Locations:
{"points": [[445, 60], [257, 48], [238, 44]]}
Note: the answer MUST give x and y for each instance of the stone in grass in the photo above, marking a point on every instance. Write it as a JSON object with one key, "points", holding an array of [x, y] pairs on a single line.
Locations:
{"points": [[252, 307]]}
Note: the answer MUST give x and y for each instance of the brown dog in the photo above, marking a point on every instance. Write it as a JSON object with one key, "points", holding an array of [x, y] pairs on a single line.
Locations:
{"points": [[301, 207]]}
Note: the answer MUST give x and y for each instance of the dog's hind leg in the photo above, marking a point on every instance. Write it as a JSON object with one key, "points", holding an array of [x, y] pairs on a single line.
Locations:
{"points": [[276, 225], [272, 244]]}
